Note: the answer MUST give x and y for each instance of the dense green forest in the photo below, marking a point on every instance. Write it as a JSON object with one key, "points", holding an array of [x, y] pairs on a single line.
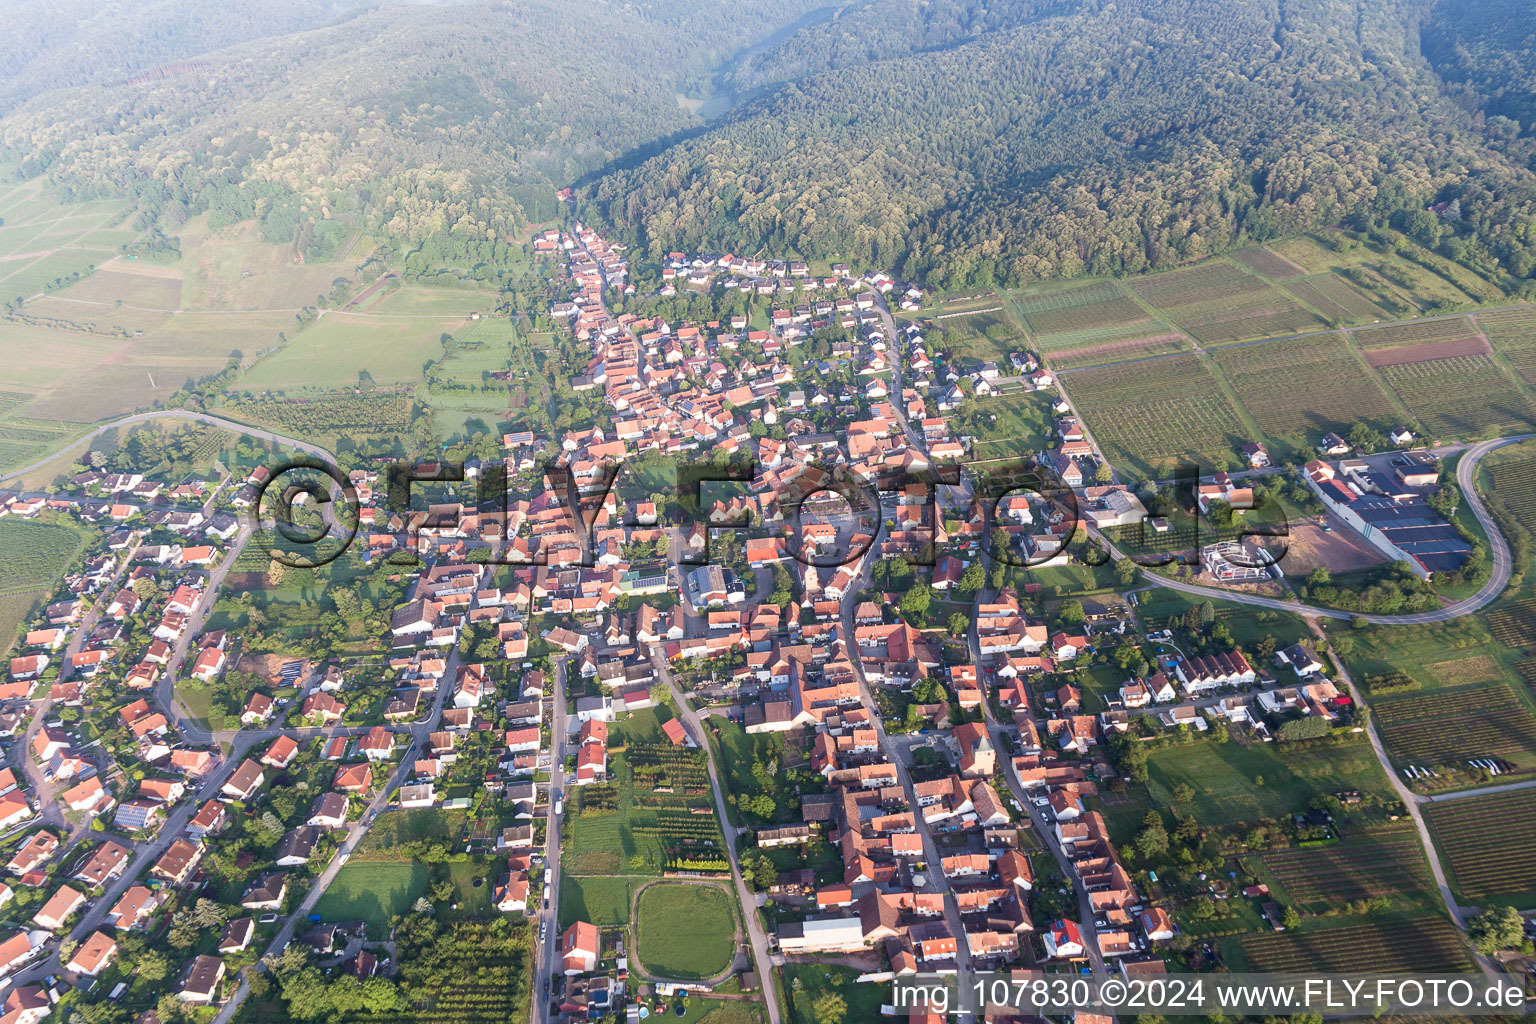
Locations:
{"points": [[963, 144], [415, 119], [1036, 140], [74, 42]]}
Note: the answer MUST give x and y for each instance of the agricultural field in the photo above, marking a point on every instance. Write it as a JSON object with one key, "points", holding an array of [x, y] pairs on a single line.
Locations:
{"points": [[86, 363], [1069, 318], [1423, 945], [1333, 297], [37, 553], [373, 891], [1450, 726], [687, 930], [1436, 392], [1136, 346], [1263, 261], [1217, 302], [1512, 332], [1298, 388], [46, 245], [1149, 415], [344, 348], [1421, 332], [1385, 861], [1511, 472], [1487, 842], [137, 284], [657, 812], [1514, 625]]}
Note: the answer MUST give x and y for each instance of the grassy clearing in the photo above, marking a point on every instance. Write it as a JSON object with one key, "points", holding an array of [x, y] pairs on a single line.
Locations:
{"points": [[602, 901], [373, 891], [863, 1001], [392, 828], [335, 352], [1234, 783], [232, 268]]}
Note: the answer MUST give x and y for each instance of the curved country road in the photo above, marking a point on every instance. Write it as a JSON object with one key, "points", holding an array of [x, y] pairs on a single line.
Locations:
{"points": [[176, 414], [1498, 578]]}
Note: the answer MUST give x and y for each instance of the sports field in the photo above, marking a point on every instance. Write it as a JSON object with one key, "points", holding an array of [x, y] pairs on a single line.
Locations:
{"points": [[686, 931]]}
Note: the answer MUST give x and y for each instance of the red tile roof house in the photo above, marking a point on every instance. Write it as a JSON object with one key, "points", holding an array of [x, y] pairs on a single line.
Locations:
{"points": [[33, 853], [93, 955], [579, 948], [245, 782], [17, 950], [134, 909], [13, 808], [377, 745], [281, 753], [353, 778], [257, 709], [674, 731], [1064, 940], [58, 909], [209, 664], [26, 1004], [89, 797]]}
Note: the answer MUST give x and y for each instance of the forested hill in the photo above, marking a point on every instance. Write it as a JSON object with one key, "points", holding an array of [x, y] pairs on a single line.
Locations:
{"points": [[1040, 139], [415, 118], [72, 42]]}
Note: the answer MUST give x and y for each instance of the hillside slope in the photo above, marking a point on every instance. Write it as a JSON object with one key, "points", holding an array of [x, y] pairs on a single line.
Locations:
{"points": [[1056, 139], [416, 118]]}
